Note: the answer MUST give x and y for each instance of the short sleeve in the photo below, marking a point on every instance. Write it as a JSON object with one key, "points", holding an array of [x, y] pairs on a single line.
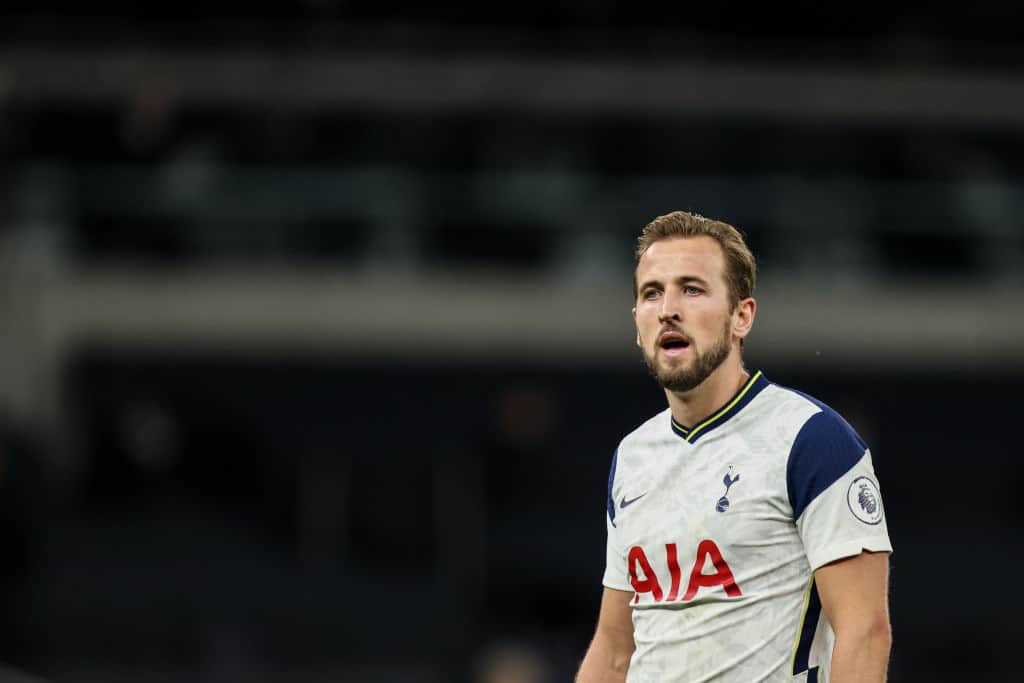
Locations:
{"points": [[834, 493], [615, 571]]}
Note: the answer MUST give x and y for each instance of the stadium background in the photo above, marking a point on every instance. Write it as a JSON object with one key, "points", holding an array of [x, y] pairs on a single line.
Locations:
{"points": [[315, 338]]}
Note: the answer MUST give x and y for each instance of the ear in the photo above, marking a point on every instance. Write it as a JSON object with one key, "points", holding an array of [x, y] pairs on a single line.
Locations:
{"points": [[638, 342], [743, 317]]}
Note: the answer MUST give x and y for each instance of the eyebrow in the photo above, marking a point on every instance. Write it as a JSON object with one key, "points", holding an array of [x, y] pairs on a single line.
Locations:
{"points": [[682, 280]]}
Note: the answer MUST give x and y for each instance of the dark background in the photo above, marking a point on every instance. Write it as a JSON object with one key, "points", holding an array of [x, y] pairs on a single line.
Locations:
{"points": [[314, 327]]}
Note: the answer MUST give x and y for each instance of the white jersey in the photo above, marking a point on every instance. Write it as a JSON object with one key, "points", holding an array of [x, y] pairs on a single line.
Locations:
{"points": [[716, 529]]}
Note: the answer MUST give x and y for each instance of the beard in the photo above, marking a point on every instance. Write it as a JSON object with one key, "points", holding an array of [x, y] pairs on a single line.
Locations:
{"points": [[686, 378]]}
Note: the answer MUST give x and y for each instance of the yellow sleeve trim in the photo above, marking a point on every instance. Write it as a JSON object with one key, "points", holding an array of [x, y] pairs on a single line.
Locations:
{"points": [[800, 628]]}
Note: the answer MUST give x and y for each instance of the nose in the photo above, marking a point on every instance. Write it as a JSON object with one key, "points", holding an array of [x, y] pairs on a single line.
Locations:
{"points": [[670, 307]]}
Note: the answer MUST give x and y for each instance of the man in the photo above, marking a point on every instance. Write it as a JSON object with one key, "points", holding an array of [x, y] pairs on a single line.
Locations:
{"points": [[746, 534]]}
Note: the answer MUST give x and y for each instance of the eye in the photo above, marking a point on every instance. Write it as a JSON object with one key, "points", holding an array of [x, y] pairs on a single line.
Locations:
{"points": [[691, 290], [650, 294]]}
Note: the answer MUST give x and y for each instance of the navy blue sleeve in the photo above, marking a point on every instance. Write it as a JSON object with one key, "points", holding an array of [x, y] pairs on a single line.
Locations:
{"points": [[611, 480], [824, 450]]}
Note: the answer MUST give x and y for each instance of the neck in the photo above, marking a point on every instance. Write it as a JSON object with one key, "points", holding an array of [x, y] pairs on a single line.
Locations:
{"points": [[691, 407]]}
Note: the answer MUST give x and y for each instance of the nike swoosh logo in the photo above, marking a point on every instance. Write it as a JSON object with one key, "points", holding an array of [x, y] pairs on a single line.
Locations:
{"points": [[626, 503]]}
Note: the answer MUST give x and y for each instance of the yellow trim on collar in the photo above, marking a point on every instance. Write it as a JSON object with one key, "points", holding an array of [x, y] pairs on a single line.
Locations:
{"points": [[723, 411]]}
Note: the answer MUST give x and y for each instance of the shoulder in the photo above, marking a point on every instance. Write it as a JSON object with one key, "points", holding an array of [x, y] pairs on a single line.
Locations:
{"points": [[814, 420], [824, 447], [635, 449], [653, 431], [639, 445], [785, 408], [793, 415]]}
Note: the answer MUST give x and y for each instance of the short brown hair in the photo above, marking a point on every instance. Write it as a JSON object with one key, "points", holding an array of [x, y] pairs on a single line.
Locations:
{"points": [[740, 265]]}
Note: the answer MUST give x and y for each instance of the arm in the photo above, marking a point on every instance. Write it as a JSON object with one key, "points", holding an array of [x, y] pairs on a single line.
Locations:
{"points": [[607, 659], [854, 596]]}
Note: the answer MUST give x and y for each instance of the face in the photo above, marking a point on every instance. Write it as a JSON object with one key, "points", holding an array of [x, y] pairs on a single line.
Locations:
{"points": [[684, 322]]}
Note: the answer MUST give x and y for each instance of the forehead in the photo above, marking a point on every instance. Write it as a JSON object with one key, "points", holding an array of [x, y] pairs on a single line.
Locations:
{"points": [[700, 256]]}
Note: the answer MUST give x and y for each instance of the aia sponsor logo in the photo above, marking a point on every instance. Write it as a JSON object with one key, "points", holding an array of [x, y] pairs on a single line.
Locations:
{"points": [[645, 580]]}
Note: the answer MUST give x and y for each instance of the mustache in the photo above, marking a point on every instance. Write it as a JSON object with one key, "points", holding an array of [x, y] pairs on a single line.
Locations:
{"points": [[672, 329]]}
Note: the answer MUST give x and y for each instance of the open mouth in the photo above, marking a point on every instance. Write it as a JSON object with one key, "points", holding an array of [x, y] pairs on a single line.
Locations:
{"points": [[673, 342]]}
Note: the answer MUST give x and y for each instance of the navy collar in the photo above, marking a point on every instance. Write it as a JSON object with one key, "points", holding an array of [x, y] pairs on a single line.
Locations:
{"points": [[745, 395]]}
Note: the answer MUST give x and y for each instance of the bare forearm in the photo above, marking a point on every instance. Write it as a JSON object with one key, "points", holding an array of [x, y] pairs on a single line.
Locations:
{"points": [[604, 663], [863, 659]]}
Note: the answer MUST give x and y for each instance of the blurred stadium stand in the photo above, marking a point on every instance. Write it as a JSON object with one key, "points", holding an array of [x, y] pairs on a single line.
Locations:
{"points": [[315, 318]]}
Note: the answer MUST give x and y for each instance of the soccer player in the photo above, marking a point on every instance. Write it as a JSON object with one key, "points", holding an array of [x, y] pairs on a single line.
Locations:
{"points": [[747, 539]]}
